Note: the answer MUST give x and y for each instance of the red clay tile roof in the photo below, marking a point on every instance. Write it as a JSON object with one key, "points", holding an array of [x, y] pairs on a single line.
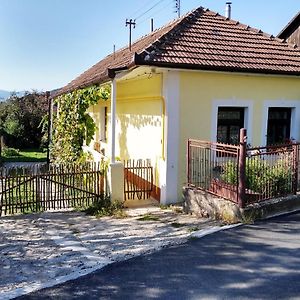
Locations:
{"points": [[201, 40]]}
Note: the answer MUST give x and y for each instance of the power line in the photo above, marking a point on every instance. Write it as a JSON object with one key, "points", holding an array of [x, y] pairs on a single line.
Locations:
{"points": [[141, 8], [155, 13], [153, 6]]}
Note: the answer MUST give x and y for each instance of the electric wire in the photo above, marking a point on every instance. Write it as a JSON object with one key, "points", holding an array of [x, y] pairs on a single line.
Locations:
{"points": [[145, 4], [149, 9], [155, 13]]}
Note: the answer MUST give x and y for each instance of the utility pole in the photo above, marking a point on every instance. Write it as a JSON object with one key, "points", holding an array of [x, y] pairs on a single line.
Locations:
{"points": [[130, 23], [177, 7]]}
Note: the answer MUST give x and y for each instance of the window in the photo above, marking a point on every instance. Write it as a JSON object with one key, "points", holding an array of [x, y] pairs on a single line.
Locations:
{"points": [[279, 125], [103, 124], [230, 121]]}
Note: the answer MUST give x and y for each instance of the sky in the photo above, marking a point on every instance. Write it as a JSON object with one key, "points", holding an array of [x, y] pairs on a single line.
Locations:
{"points": [[44, 44]]}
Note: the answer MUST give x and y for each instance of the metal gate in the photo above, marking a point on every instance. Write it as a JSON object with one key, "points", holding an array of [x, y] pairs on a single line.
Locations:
{"points": [[50, 187], [138, 179]]}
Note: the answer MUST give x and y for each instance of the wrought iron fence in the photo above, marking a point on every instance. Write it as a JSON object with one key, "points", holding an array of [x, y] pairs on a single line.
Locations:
{"points": [[205, 165], [243, 175], [271, 172], [50, 187]]}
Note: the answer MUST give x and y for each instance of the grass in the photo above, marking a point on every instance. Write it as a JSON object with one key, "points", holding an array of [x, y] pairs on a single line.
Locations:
{"points": [[177, 225], [164, 207], [105, 208], [192, 229], [148, 217], [27, 155]]}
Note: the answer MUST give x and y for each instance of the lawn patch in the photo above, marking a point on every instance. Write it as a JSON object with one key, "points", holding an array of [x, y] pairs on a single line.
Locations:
{"points": [[26, 155]]}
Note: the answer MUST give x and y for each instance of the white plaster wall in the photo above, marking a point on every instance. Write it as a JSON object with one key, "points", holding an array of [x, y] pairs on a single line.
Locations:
{"points": [[169, 166]]}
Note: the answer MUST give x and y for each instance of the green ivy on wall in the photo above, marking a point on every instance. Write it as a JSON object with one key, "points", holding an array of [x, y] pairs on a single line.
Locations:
{"points": [[72, 125]]}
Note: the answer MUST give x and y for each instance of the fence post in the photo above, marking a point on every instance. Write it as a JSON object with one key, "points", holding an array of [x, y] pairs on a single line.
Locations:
{"points": [[188, 157], [242, 168], [116, 181]]}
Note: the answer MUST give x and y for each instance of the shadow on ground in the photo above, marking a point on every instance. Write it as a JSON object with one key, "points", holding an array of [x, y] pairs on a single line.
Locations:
{"points": [[260, 261]]}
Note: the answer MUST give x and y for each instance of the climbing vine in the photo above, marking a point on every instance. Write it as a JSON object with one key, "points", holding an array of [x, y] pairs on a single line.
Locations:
{"points": [[72, 125]]}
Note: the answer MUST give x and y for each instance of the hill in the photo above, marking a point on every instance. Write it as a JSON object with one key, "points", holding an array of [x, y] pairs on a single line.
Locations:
{"points": [[5, 94]]}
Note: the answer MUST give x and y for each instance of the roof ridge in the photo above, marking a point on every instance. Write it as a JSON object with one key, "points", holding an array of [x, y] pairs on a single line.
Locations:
{"points": [[174, 21], [258, 31], [172, 31]]}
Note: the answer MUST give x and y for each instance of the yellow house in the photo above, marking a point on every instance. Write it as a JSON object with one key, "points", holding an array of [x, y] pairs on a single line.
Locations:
{"points": [[202, 76]]}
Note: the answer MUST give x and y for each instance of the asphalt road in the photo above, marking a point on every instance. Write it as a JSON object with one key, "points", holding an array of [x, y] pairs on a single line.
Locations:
{"points": [[260, 261]]}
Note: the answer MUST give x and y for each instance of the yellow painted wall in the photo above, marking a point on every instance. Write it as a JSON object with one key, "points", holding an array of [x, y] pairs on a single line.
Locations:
{"points": [[198, 90], [139, 111], [139, 120], [143, 86], [139, 129]]}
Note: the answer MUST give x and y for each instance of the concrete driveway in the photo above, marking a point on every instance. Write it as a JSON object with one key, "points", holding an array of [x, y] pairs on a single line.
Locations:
{"points": [[260, 261]]}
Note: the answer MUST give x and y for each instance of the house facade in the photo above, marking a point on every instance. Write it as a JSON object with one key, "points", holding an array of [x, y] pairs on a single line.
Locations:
{"points": [[202, 76]]}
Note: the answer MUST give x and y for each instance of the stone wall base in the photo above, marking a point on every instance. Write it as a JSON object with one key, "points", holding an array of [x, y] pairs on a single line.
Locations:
{"points": [[204, 204]]}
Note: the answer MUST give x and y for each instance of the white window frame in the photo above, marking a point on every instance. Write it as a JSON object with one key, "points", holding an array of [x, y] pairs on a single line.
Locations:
{"points": [[295, 117], [248, 115]]}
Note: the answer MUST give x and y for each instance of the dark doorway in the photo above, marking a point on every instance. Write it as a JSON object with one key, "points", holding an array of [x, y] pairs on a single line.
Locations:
{"points": [[230, 121], [279, 125]]}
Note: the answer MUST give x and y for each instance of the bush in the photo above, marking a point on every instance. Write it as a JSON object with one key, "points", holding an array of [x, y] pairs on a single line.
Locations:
{"points": [[262, 177], [10, 152], [105, 208]]}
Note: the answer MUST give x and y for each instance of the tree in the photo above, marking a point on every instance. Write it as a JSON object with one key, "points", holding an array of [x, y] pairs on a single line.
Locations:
{"points": [[20, 118]]}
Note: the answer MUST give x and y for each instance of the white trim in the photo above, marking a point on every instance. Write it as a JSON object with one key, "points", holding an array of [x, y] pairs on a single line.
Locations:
{"points": [[295, 117], [248, 116], [162, 69], [169, 167]]}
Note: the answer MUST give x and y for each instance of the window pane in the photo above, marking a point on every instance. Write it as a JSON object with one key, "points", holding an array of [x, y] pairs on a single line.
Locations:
{"points": [[222, 134], [279, 125], [230, 121], [234, 132], [229, 115], [278, 115]]}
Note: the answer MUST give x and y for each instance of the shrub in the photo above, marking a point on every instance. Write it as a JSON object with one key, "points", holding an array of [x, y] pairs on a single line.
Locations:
{"points": [[263, 177], [9, 152], [105, 207]]}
